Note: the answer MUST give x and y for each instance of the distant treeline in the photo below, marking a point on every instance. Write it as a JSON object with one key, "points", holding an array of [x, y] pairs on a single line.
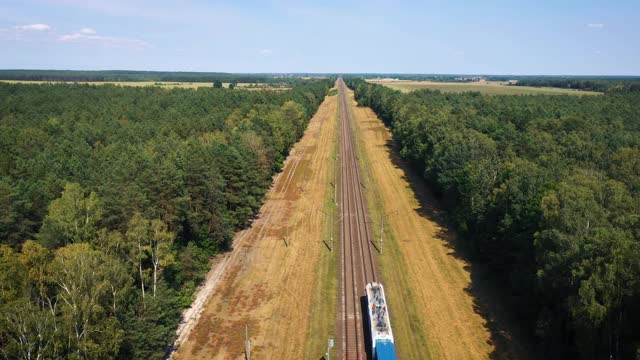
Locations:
{"points": [[112, 200], [590, 83], [597, 84], [126, 75], [545, 190]]}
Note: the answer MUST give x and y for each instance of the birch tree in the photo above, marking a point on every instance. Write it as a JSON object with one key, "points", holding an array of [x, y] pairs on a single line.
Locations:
{"points": [[29, 332], [71, 218], [84, 278], [137, 243], [160, 249]]}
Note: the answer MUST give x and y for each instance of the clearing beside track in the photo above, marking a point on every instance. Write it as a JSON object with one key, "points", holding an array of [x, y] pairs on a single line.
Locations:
{"points": [[272, 272], [485, 87], [438, 304]]}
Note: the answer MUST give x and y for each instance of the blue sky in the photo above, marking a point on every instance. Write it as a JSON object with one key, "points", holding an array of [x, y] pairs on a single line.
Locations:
{"points": [[473, 37]]}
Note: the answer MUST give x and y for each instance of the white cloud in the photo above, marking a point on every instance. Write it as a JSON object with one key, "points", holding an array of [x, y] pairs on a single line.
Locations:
{"points": [[36, 27], [596, 25], [88, 36], [71, 37], [43, 33], [266, 52], [87, 31], [32, 33]]}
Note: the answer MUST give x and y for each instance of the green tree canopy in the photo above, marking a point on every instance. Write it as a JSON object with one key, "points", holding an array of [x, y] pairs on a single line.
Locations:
{"points": [[72, 218]]}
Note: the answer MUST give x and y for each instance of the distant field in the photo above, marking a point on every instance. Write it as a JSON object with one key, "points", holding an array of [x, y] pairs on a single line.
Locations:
{"points": [[486, 87], [186, 85], [182, 85], [259, 86]]}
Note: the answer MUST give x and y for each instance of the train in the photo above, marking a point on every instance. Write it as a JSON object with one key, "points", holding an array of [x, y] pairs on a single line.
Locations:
{"points": [[382, 344]]}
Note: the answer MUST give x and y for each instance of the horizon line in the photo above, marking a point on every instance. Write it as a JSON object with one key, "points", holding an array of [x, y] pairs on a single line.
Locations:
{"points": [[328, 73]]}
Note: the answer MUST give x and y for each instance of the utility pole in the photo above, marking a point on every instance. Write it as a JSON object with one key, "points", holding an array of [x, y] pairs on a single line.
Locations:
{"points": [[332, 226], [382, 227], [381, 231], [329, 347], [286, 236], [335, 189], [247, 343], [335, 183]]}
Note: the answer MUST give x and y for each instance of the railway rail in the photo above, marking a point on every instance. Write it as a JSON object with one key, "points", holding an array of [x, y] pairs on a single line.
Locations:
{"points": [[357, 262]]}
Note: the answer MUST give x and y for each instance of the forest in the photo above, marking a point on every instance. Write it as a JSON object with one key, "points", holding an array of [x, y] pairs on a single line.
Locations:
{"points": [[113, 200], [544, 190], [130, 75]]}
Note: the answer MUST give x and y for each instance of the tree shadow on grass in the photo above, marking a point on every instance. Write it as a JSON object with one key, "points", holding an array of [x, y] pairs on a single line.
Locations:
{"points": [[509, 339]]}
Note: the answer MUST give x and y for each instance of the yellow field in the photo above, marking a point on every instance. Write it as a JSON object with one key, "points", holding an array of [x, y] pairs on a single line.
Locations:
{"points": [[485, 87]]}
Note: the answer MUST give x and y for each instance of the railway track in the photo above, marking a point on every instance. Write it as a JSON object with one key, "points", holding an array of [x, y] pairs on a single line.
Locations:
{"points": [[357, 263]]}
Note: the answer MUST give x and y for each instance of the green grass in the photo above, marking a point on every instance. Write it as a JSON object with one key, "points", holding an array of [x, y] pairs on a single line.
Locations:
{"points": [[491, 88], [324, 303]]}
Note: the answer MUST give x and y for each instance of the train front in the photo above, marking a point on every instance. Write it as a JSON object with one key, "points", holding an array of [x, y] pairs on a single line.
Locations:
{"points": [[382, 344]]}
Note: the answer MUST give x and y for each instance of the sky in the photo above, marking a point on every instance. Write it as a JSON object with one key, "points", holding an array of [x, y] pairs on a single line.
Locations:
{"points": [[551, 37]]}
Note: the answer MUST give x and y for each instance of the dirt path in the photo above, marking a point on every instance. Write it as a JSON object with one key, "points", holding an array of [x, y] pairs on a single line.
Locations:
{"points": [[433, 305], [269, 276]]}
